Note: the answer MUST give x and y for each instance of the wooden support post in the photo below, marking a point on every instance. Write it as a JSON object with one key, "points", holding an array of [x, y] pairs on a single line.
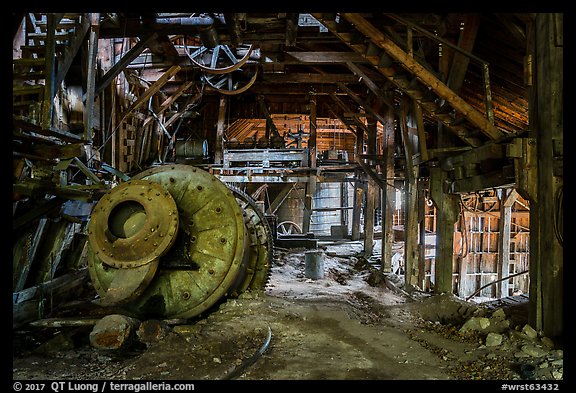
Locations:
{"points": [[369, 218], [312, 138], [371, 139], [124, 62], [421, 132], [545, 46], [218, 145], [411, 228], [358, 201], [388, 194], [447, 209], [420, 201], [410, 206], [91, 76]]}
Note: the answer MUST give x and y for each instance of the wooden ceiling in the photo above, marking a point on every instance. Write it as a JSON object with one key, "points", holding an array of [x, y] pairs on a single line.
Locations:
{"points": [[448, 62]]}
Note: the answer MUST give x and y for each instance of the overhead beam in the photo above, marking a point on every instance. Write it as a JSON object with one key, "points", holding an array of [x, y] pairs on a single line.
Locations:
{"points": [[355, 68], [323, 57], [153, 89], [362, 103], [132, 54], [424, 75], [459, 61]]}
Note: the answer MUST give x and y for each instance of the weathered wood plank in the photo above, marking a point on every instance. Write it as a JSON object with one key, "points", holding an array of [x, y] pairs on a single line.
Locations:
{"points": [[26, 304]]}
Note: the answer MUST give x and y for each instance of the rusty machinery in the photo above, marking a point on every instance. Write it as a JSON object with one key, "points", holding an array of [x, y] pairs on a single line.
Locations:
{"points": [[173, 241]]}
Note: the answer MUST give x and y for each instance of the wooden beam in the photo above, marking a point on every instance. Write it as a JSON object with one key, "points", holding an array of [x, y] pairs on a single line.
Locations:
{"points": [[361, 102], [50, 70], [24, 262], [447, 210], [503, 177], [26, 306], [369, 218], [323, 57], [345, 108], [91, 76], [153, 89], [291, 29], [410, 204], [275, 204], [424, 75], [312, 147], [357, 70], [133, 53], [388, 193], [309, 201], [72, 49], [169, 101], [459, 61], [218, 146], [356, 212], [421, 132], [546, 308], [371, 173]]}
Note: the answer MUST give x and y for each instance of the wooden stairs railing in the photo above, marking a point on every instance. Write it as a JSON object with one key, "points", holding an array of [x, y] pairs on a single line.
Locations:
{"points": [[51, 43]]}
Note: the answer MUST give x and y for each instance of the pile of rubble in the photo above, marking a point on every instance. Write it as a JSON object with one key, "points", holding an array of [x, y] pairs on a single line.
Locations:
{"points": [[500, 334]]}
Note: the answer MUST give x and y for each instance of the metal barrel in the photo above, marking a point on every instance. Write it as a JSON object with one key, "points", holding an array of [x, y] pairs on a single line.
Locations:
{"points": [[195, 148], [314, 264]]}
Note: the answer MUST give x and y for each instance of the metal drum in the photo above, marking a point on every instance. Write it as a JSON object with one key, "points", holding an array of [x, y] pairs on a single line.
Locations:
{"points": [[179, 242]]}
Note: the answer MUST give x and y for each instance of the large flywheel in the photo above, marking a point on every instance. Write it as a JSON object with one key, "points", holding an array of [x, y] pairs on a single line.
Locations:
{"points": [[228, 70], [174, 241]]}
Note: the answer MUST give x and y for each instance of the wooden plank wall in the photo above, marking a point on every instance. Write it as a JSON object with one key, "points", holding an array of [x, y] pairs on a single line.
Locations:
{"points": [[476, 260], [479, 263]]}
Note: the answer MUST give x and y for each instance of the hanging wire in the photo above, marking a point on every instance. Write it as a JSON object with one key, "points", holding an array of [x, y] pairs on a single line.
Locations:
{"points": [[558, 212]]}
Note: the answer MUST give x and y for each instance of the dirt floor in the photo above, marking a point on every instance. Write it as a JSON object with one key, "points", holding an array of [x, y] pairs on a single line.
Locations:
{"points": [[352, 324]]}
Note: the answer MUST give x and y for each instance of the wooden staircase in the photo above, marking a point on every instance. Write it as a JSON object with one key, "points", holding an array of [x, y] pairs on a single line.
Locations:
{"points": [[411, 77], [50, 44]]}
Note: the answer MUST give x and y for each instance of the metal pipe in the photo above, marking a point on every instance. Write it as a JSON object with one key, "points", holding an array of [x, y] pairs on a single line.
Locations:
{"points": [[191, 21]]}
